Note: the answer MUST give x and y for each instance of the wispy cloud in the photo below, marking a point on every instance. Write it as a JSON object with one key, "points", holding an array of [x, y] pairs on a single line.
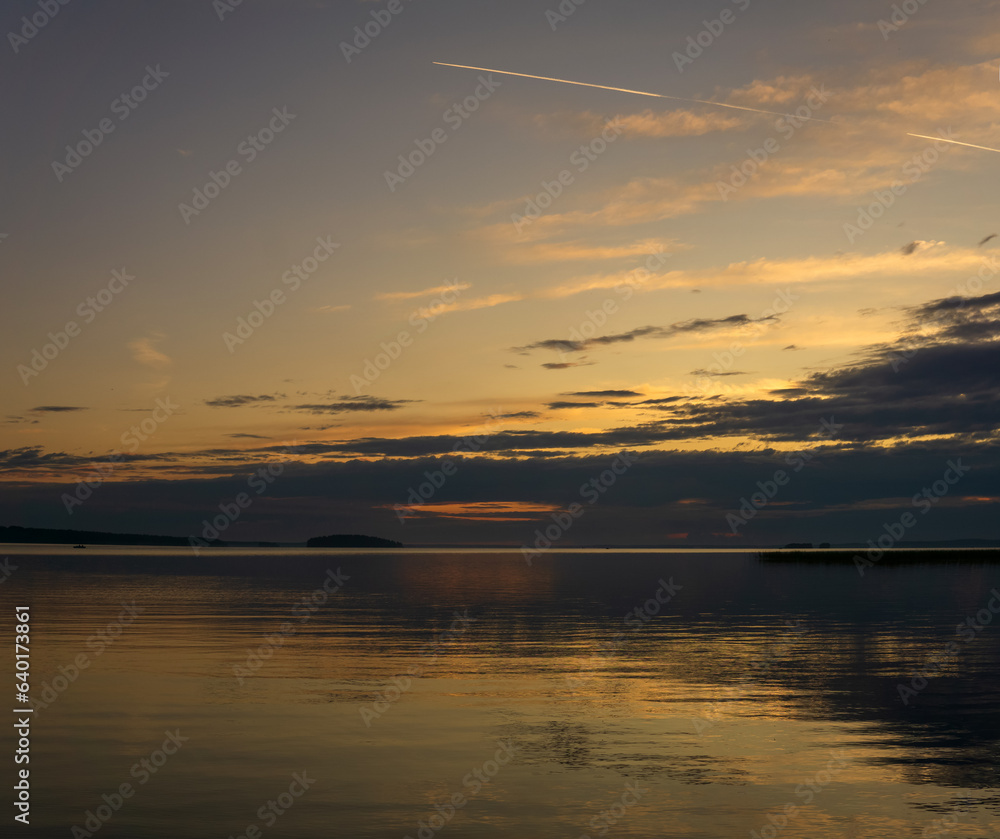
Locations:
{"points": [[241, 400], [145, 352], [395, 296], [565, 365], [583, 249], [646, 123], [926, 259], [468, 305], [679, 328], [715, 373], [351, 404], [607, 393]]}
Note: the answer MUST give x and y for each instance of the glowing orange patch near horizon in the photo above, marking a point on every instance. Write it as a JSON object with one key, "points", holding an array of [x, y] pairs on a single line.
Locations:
{"points": [[485, 510]]}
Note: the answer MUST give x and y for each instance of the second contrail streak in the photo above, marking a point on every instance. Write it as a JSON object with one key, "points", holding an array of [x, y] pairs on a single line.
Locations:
{"points": [[956, 142]]}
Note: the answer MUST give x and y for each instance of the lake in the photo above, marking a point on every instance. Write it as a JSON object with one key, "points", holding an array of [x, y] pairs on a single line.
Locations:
{"points": [[312, 693]]}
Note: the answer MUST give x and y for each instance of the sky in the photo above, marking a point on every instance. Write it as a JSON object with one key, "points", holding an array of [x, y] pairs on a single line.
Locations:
{"points": [[269, 266]]}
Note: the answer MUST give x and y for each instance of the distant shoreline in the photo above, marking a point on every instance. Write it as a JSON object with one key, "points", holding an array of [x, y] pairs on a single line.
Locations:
{"points": [[795, 551], [95, 538], [891, 556]]}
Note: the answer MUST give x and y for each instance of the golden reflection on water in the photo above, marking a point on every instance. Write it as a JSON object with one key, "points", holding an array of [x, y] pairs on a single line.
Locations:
{"points": [[727, 706]]}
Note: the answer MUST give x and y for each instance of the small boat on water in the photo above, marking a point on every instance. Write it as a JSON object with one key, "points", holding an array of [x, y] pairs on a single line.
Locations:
{"points": [[79, 546]]}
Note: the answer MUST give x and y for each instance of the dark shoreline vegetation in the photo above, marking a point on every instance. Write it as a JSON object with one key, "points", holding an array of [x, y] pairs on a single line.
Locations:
{"points": [[46, 536], [891, 556]]}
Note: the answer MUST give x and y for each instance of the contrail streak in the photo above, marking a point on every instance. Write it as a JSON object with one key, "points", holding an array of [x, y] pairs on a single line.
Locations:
{"points": [[945, 140], [685, 99], [636, 92]]}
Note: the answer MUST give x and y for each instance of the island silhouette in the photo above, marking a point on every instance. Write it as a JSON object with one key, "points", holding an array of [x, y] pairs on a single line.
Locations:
{"points": [[47, 536]]}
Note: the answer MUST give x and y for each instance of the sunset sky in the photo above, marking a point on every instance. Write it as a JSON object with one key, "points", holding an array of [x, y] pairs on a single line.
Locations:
{"points": [[326, 305]]}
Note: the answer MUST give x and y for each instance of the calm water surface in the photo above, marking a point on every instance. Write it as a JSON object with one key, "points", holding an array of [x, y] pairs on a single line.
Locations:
{"points": [[759, 699]]}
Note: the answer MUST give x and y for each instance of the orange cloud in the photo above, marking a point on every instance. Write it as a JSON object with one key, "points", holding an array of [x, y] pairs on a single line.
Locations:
{"points": [[424, 292], [486, 510], [582, 249], [647, 123], [929, 258]]}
